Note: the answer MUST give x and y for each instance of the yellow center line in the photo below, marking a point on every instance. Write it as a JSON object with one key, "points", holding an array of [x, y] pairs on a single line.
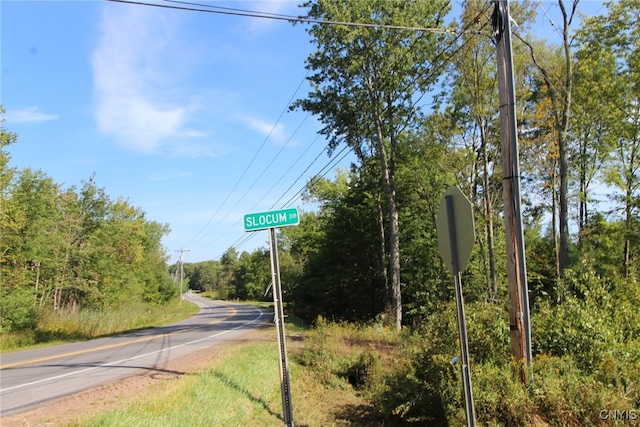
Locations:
{"points": [[106, 347]]}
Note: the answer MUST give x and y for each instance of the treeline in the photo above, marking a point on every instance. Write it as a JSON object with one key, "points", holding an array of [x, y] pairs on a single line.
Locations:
{"points": [[70, 249]]}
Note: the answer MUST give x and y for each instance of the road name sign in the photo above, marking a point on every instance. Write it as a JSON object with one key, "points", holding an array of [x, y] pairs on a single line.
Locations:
{"points": [[264, 220]]}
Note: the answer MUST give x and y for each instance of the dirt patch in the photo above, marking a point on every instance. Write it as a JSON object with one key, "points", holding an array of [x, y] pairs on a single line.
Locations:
{"points": [[109, 396]]}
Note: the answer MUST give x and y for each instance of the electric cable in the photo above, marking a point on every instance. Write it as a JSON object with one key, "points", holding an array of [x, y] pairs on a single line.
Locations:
{"points": [[252, 14], [197, 237]]}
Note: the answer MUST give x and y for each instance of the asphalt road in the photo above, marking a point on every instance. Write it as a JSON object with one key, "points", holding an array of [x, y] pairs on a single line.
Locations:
{"points": [[32, 378]]}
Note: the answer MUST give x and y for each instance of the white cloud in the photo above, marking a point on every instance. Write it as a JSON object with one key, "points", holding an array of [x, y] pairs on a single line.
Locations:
{"points": [[276, 132], [28, 115], [277, 7], [166, 176], [136, 75]]}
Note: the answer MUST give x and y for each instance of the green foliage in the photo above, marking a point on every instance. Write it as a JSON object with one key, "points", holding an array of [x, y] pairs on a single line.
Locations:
{"points": [[342, 278], [17, 311], [414, 378], [252, 275], [64, 326], [203, 276], [69, 250], [596, 320]]}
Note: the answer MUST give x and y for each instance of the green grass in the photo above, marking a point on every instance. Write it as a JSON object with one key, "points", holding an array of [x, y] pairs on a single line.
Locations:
{"points": [[240, 388], [244, 390], [63, 327]]}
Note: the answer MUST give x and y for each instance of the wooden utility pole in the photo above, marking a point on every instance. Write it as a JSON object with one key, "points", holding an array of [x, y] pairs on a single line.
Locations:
{"points": [[181, 269], [519, 324]]}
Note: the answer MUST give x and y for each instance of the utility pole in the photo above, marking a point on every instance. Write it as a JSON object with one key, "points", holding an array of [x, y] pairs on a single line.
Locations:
{"points": [[519, 323], [182, 251]]}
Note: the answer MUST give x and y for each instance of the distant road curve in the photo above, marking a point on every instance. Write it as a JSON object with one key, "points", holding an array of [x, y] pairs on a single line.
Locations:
{"points": [[32, 378]]}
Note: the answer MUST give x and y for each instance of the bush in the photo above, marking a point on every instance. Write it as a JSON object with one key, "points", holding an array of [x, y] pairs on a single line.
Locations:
{"points": [[569, 389], [18, 311], [584, 364], [366, 371]]}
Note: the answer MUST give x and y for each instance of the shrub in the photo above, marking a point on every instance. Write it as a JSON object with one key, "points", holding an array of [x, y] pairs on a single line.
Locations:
{"points": [[18, 311]]}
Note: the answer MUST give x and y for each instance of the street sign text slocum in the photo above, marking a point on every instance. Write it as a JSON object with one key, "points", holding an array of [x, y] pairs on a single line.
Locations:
{"points": [[263, 220]]}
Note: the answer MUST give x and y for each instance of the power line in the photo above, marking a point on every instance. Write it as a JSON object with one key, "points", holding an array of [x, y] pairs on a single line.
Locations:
{"points": [[287, 171], [204, 8], [317, 176], [246, 169], [292, 199], [245, 238], [240, 12], [241, 198], [248, 236]]}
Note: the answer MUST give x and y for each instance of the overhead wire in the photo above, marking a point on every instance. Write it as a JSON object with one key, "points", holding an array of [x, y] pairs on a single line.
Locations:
{"points": [[198, 7], [247, 237], [294, 197], [241, 198], [323, 172], [197, 237]]}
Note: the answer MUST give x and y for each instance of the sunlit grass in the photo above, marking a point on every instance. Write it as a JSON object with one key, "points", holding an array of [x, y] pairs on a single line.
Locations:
{"points": [[244, 390], [61, 327], [242, 387]]}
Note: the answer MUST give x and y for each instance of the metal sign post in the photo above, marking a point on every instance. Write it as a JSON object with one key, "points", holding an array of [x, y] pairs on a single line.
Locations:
{"points": [[279, 319], [271, 220], [455, 249]]}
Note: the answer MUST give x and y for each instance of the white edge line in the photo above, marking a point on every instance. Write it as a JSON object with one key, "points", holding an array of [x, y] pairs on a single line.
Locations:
{"points": [[262, 313]]}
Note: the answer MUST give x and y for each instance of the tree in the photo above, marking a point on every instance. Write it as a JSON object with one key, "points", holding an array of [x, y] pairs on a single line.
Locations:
{"points": [[342, 278], [472, 114], [366, 85], [251, 275], [610, 49], [559, 90], [6, 173]]}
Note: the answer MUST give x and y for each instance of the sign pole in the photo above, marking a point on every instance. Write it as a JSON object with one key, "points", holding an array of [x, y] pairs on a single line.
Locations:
{"points": [[271, 220], [279, 320], [462, 324]]}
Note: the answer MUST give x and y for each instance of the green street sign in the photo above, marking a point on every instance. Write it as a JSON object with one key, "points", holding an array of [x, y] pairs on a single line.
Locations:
{"points": [[263, 220]]}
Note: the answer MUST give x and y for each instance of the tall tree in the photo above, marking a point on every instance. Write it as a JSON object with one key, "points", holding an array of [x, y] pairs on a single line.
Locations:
{"points": [[611, 47], [342, 278], [367, 81], [6, 138], [559, 90], [472, 114]]}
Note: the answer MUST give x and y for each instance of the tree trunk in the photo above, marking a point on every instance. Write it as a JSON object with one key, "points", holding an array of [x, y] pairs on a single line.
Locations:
{"points": [[488, 214], [394, 233], [583, 214], [561, 101], [383, 260], [554, 225], [563, 123]]}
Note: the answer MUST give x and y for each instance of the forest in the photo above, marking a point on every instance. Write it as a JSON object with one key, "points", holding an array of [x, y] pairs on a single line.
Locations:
{"points": [[420, 111], [72, 249]]}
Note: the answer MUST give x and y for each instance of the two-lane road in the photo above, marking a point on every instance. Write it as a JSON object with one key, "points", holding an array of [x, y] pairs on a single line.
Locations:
{"points": [[31, 378]]}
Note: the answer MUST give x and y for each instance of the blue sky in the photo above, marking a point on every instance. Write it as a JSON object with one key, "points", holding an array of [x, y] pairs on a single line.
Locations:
{"points": [[182, 113], [168, 108]]}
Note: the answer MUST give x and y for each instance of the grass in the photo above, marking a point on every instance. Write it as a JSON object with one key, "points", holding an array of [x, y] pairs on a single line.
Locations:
{"points": [[63, 327], [241, 387], [227, 394]]}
